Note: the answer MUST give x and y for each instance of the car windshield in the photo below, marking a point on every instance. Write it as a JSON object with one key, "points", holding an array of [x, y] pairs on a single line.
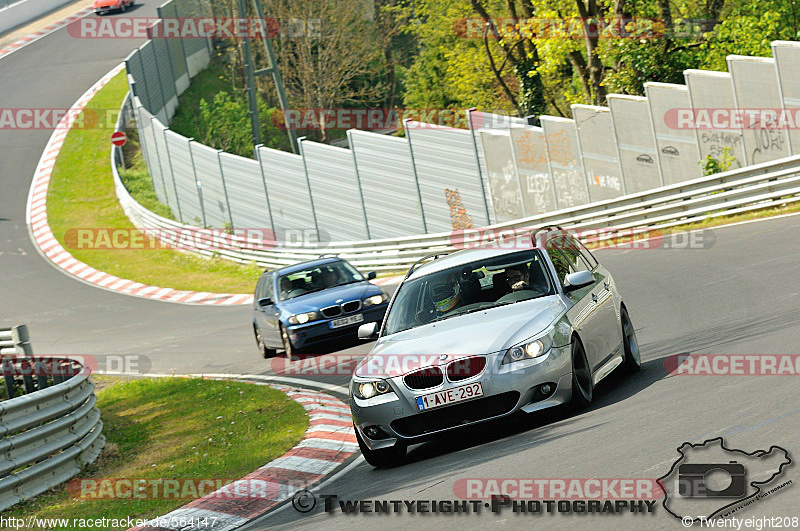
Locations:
{"points": [[468, 288], [317, 278]]}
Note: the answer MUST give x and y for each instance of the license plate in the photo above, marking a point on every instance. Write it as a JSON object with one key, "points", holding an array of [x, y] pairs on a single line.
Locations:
{"points": [[344, 321], [450, 396]]}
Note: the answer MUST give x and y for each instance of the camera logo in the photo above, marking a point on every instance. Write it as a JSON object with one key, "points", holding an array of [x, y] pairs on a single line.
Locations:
{"points": [[710, 480], [703, 480]]}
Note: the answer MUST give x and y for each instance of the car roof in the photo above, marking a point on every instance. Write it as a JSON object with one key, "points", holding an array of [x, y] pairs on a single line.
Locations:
{"points": [[465, 256], [305, 265]]}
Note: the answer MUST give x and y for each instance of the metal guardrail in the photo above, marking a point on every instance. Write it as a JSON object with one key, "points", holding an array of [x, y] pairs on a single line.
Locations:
{"points": [[742, 190], [49, 433]]}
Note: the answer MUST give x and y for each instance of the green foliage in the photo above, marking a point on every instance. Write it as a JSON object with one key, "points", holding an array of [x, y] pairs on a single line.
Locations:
{"points": [[712, 165], [225, 124]]}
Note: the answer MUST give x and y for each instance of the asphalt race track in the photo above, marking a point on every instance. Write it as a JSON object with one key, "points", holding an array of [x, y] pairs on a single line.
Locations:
{"points": [[66, 316], [738, 296]]}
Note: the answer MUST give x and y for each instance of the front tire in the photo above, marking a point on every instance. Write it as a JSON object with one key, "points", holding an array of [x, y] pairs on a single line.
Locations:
{"points": [[262, 347], [633, 357], [582, 385], [383, 458], [288, 348]]}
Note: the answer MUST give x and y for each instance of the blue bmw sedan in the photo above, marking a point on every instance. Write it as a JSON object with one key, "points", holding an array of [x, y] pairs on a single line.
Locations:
{"points": [[306, 304]]}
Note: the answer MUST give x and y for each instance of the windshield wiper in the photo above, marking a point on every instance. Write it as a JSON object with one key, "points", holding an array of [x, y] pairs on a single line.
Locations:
{"points": [[478, 309]]}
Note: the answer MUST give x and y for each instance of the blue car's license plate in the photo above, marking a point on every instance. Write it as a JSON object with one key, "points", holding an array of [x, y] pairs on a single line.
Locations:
{"points": [[344, 321]]}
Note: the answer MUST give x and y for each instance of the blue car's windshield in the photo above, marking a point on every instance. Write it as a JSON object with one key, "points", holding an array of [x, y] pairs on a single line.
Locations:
{"points": [[317, 278], [476, 286]]}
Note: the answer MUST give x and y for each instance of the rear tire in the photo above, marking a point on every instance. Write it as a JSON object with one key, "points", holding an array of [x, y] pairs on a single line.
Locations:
{"points": [[582, 386], [633, 358], [383, 458]]}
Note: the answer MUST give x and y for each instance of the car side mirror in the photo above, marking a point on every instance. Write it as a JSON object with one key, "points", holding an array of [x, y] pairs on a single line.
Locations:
{"points": [[578, 280], [266, 301], [368, 331], [371, 275]]}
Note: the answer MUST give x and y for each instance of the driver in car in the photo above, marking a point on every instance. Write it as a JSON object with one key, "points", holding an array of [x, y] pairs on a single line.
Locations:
{"points": [[286, 287], [518, 277], [446, 293]]}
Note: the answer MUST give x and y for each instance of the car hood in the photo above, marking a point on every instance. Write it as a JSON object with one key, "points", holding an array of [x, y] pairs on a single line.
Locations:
{"points": [[105, 3], [321, 299], [481, 332]]}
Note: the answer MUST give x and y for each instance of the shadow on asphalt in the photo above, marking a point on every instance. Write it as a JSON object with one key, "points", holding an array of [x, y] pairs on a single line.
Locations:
{"points": [[615, 388]]}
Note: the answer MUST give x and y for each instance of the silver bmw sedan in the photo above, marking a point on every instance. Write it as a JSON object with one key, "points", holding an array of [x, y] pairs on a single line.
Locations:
{"points": [[482, 333]]}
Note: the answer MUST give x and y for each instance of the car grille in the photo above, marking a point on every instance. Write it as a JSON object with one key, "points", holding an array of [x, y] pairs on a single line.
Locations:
{"points": [[424, 378], [456, 415], [351, 306], [465, 368], [331, 311]]}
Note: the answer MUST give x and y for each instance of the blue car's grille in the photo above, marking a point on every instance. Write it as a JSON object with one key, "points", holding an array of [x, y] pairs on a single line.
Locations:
{"points": [[339, 309], [331, 311], [351, 306]]}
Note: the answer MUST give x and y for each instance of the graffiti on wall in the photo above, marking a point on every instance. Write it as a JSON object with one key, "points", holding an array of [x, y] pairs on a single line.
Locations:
{"points": [[458, 213]]}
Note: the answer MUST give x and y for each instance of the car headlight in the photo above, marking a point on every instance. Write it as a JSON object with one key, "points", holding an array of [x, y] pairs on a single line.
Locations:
{"points": [[529, 350], [376, 299], [302, 318], [365, 390]]}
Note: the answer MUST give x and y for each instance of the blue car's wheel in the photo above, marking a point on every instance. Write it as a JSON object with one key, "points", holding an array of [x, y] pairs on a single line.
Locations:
{"points": [[262, 347], [288, 348]]}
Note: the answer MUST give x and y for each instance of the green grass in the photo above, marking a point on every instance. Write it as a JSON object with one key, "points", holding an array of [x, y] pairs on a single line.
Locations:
{"points": [[176, 428], [82, 195]]}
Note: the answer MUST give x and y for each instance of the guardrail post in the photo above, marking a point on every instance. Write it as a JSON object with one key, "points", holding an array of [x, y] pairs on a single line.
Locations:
{"points": [[358, 181], [197, 183], [22, 343], [224, 188], [308, 181], [416, 177], [257, 151]]}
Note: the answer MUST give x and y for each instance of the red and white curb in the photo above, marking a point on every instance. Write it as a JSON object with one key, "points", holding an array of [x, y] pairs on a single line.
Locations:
{"points": [[388, 281], [35, 36], [45, 241], [328, 442]]}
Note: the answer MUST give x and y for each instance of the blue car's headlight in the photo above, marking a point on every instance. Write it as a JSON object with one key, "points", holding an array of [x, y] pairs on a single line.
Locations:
{"points": [[302, 318], [529, 350], [376, 299]]}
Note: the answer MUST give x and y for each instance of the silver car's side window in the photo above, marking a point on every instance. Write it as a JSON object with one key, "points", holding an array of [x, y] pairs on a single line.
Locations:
{"points": [[559, 261]]}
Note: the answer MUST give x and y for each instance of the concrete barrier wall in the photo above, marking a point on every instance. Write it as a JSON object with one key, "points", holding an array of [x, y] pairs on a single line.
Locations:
{"points": [[436, 179]]}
